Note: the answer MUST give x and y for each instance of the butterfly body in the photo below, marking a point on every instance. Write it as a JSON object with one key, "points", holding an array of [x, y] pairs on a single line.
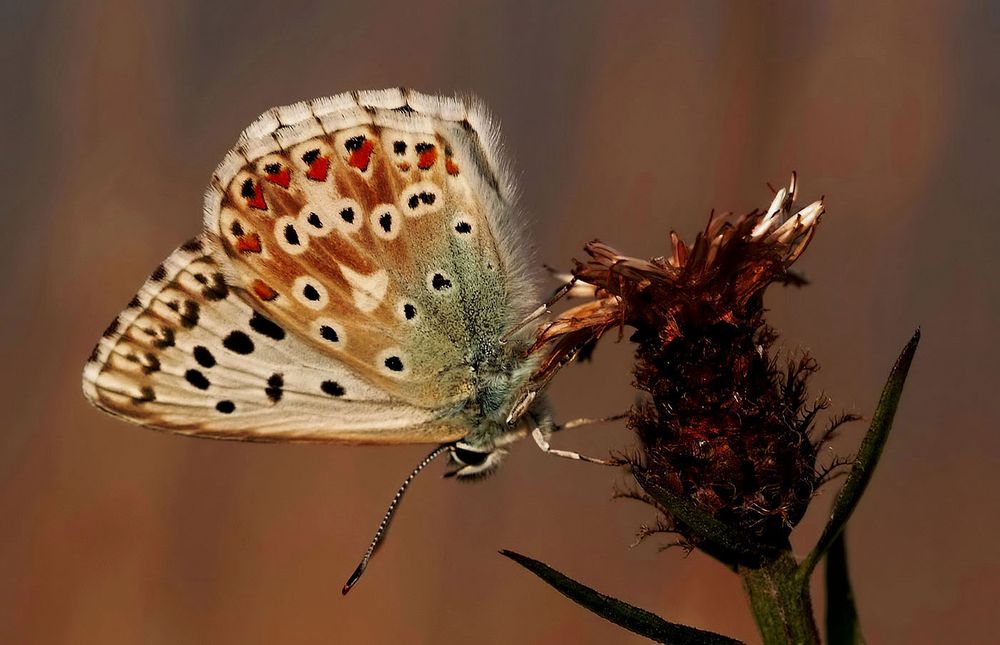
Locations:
{"points": [[359, 279]]}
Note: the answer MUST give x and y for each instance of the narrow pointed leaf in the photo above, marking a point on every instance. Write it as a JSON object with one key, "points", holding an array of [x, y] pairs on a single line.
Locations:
{"points": [[842, 627], [716, 538], [621, 613], [867, 457]]}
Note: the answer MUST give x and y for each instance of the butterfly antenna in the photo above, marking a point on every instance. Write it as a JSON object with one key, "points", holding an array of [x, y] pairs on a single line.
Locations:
{"points": [[387, 519]]}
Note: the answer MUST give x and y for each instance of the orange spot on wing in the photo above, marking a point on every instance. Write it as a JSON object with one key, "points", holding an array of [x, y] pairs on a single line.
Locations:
{"points": [[318, 169], [427, 158], [360, 157], [249, 243], [283, 177], [264, 291], [257, 199], [451, 166]]}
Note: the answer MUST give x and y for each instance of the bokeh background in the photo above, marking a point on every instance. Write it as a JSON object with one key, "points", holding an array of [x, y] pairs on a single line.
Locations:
{"points": [[623, 120]]}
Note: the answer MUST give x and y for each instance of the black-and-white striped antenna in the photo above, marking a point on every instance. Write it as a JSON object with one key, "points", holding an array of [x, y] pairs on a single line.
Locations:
{"points": [[387, 519]]}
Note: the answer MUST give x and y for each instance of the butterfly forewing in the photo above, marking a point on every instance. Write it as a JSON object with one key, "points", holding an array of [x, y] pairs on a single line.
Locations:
{"points": [[356, 261]]}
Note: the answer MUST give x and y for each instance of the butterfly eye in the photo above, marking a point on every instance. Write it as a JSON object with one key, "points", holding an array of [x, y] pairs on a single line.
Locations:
{"points": [[291, 235], [310, 293], [386, 221], [469, 457]]}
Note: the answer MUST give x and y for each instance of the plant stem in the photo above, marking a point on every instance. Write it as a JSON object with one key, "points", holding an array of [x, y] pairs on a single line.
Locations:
{"points": [[780, 602]]}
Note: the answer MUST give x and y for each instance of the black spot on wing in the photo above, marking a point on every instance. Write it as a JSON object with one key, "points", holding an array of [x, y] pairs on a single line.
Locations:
{"points": [[204, 356], [216, 288], [238, 342], [274, 387], [266, 327], [190, 314], [111, 329], [151, 364], [197, 379], [162, 339], [332, 388], [439, 282], [192, 246]]}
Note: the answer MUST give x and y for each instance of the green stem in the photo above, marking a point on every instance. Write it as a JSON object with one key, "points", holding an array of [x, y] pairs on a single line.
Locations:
{"points": [[780, 602]]}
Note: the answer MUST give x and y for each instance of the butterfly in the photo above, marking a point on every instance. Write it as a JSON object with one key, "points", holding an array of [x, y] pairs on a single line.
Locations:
{"points": [[360, 279]]}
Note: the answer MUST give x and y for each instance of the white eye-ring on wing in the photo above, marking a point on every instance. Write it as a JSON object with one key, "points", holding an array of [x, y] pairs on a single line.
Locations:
{"points": [[463, 225], [420, 199], [393, 362], [385, 221], [310, 292], [291, 236], [407, 311], [316, 220], [329, 332], [439, 282], [347, 215]]}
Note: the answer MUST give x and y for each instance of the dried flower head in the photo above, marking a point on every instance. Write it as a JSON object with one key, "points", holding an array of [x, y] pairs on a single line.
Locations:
{"points": [[723, 425]]}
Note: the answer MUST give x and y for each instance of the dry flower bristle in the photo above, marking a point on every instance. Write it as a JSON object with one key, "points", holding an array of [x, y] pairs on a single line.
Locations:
{"points": [[722, 424]]}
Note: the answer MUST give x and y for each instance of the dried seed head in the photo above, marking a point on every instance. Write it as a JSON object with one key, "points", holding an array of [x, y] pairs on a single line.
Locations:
{"points": [[722, 425]]}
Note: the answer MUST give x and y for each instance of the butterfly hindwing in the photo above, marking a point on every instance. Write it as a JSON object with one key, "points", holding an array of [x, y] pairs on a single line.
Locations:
{"points": [[358, 257]]}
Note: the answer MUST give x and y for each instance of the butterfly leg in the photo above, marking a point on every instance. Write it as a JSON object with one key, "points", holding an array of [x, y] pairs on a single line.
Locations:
{"points": [[539, 436], [576, 423]]}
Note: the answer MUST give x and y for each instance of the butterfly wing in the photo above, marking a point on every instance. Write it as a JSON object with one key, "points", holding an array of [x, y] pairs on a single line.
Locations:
{"points": [[357, 261]]}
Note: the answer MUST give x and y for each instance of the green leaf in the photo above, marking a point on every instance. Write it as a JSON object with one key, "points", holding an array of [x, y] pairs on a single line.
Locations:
{"points": [[842, 627], [866, 459], [716, 538], [621, 613]]}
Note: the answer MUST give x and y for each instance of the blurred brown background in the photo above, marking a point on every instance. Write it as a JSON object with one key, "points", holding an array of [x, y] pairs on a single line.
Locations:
{"points": [[623, 119]]}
